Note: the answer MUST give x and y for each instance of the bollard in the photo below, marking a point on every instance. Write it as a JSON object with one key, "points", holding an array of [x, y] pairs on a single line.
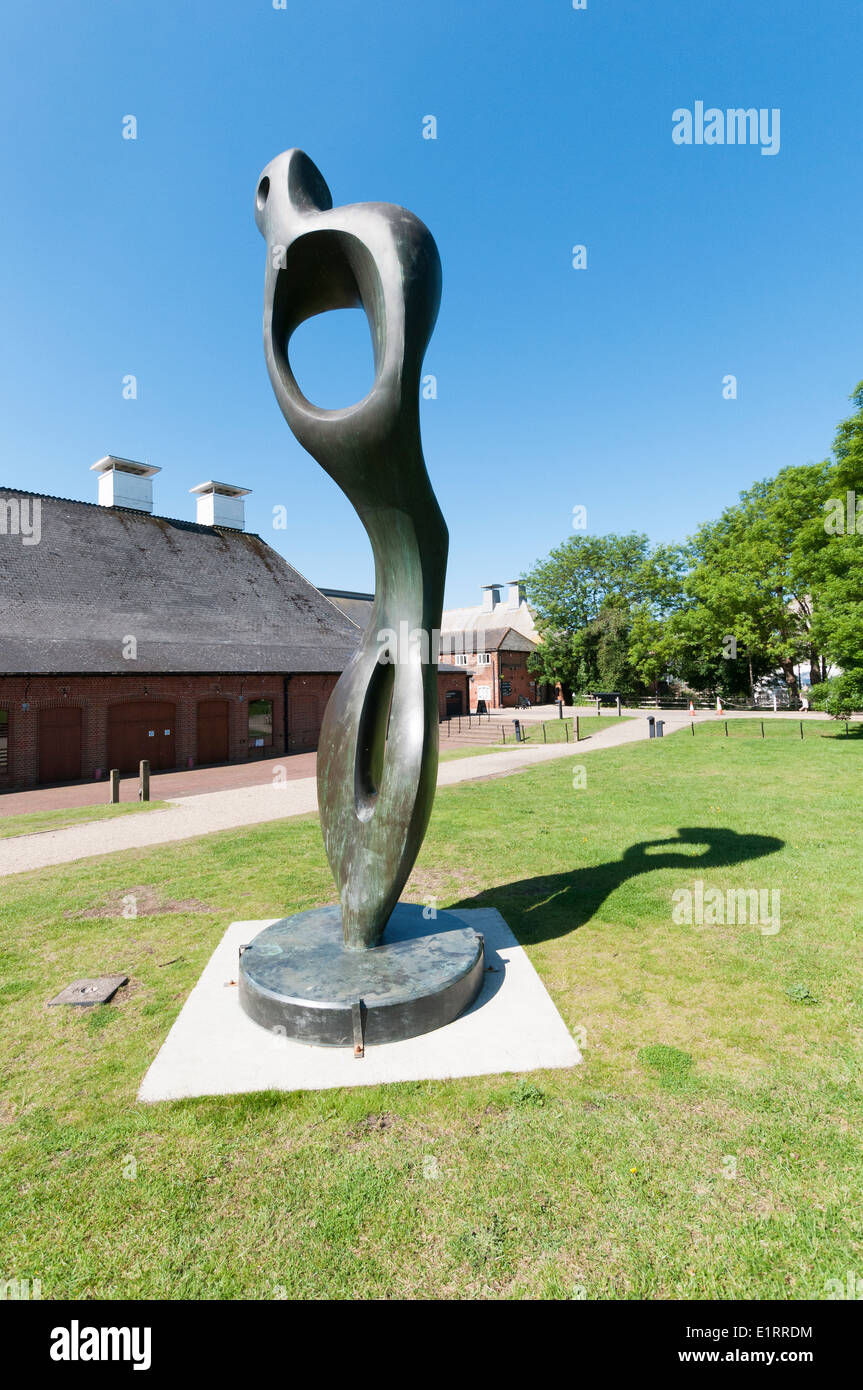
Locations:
{"points": [[618, 706], [144, 789], [598, 706], [518, 738], [115, 785], [651, 726], [560, 709]]}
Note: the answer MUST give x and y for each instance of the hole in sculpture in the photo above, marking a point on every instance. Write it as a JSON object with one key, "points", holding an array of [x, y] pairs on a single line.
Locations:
{"points": [[263, 192], [372, 739], [330, 358]]}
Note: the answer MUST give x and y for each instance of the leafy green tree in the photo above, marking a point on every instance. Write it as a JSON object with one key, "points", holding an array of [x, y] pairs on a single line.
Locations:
{"points": [[584, 595], [650, 651], [835, 545], [569, 587], [841, 695], [749, 590]]}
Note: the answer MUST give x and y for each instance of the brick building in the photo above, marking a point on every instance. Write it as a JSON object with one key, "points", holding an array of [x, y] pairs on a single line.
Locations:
{"points": [[496, 665], [492, 642], [126, 635]]}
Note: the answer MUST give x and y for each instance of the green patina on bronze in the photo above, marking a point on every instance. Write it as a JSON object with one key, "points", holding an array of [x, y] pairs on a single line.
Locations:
{"points": [[378, 753]]}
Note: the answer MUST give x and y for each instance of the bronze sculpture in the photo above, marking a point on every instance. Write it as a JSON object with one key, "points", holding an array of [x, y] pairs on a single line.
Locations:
{"points": [[377, 760]]}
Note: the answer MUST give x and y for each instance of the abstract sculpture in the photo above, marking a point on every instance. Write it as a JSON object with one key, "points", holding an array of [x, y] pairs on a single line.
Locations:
{"points": [[371, 969]]}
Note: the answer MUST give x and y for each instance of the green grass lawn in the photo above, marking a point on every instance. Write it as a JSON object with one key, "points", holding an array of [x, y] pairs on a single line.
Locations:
{"points": [[587, 724], [34, 822], [772, 727], [556, 731], [451, 755], [708, 1147]]}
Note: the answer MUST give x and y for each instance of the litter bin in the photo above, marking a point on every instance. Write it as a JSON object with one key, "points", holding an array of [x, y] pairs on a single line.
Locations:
{"points": [[660, 725], [651, 726]]}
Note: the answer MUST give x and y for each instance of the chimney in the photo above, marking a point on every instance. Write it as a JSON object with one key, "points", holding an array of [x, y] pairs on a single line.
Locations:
{"points": [[125, 483], [516, 593], [490, 596], [221, 504]]}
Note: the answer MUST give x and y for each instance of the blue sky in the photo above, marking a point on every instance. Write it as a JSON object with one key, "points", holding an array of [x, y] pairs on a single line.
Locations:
{"points": [[556, 387]]}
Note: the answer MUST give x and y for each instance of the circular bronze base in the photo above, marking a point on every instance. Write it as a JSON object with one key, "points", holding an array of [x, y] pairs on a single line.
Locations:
{"points": [[297, 979]]}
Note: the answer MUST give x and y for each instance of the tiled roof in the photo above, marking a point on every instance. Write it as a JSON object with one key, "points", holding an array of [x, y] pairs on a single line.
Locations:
{"points": [[485, 640], [476, 618], [196, 599]]}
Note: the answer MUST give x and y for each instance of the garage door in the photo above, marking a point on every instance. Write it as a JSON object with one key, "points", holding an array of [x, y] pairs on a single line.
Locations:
{"points": [[213, 731], [60, 744], [141, 729]]}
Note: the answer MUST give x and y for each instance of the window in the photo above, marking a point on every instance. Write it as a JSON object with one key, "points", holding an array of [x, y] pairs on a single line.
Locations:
{"points": [[470, 658], [260, 723], [4, 739]]}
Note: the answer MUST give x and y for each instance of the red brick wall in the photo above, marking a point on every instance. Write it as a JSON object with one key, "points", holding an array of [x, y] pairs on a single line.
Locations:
{"points": [[512, 667], [307, 699], [452, 680], [507, 666], [96, 694]]}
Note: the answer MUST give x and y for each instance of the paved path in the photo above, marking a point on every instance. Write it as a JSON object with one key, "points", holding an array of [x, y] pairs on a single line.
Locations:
{"points": [[164, 786], [190, 816]]}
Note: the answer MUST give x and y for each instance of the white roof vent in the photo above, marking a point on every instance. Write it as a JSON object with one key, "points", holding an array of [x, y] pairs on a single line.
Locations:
{"points": [[221, 504], [125, 483]]}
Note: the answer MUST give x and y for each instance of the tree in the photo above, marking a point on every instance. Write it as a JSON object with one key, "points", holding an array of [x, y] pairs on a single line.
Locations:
{"points": [[835, 543], [585, 595], [569, 587], [841, 696], [749, 591]]}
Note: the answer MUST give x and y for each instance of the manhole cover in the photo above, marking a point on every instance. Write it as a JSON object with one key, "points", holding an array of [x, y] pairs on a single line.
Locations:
{"points": [[95, 991]]}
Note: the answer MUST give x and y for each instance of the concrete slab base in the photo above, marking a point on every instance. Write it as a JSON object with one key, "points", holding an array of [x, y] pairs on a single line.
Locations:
{"points": [[215, 1049]]}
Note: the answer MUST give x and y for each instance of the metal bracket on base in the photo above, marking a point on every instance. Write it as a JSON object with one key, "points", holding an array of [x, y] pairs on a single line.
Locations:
{"points": [[357, 1020]]}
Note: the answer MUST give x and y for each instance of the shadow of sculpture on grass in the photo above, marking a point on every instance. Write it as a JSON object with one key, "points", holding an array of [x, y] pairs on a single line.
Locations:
{"points": [[553, 905]]}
